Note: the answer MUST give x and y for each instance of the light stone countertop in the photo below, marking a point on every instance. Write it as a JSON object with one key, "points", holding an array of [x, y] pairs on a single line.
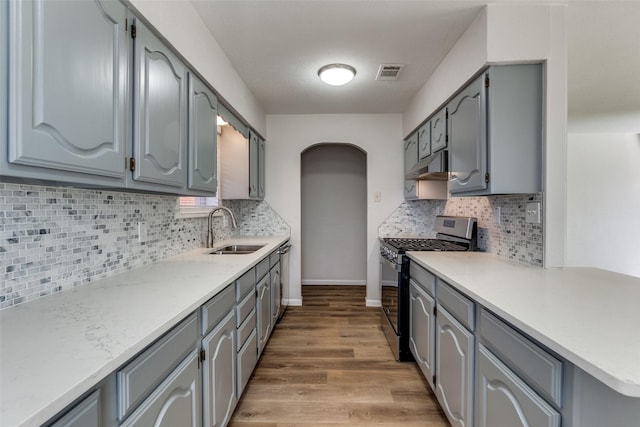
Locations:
{"points": [[588, 316], [54, 349]]}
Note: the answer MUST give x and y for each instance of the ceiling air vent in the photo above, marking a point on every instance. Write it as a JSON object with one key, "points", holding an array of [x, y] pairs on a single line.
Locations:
{"points": [[389, 71]]}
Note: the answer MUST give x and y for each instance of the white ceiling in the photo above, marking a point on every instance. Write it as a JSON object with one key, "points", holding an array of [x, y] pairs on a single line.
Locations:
{"points": [[277, 47]]}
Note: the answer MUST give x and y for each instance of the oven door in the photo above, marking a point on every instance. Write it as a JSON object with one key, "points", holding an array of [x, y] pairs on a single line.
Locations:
{"points": [[390, 276]]}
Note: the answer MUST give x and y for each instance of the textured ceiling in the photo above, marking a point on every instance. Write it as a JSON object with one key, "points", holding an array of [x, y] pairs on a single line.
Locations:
{"points": [[277, 47]]}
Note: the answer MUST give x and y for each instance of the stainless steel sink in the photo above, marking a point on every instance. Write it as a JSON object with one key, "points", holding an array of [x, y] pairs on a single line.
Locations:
{"points": [[236, 250]]}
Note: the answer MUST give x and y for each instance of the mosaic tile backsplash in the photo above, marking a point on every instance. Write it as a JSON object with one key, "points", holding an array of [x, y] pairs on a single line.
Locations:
{"points": [[53, 239], [513, 238]]}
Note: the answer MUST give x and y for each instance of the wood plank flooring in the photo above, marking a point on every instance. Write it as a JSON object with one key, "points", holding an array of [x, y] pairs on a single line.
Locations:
{"points": [[328, 363]]}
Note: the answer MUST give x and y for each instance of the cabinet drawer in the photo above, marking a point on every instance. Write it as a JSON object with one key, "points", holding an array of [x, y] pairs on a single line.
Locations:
{"points": [[138, 378], [176, 401], [247, 359], [537, 367], [274, 257], [461, 307], [245, 307], [84, 414], [262, 268], [245, 329], [424, 279], [245, 283], [505, 400], [217, 307]]}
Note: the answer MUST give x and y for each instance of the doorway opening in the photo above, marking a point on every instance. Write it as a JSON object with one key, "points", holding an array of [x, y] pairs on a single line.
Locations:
{"points": [[334, 215]]}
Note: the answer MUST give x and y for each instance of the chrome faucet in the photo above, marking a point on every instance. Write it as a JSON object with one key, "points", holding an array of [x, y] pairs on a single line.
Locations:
{"points": [[234, 224]]}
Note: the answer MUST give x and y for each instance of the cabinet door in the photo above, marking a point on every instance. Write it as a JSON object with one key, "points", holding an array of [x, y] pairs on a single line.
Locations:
{"points": [[263, 307], [261, 168], [175, 402], [247, 359], [203, 136], [410, 152], [424, 141], [254, 143], [454, 369], [505, 400], [468, 139], [160, 119], [219, 373], [68, 85], [276, 297], [438, 131], [421, 336]]}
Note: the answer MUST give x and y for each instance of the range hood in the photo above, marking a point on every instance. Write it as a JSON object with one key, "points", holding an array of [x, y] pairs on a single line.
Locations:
{"points": [[432, 168]]}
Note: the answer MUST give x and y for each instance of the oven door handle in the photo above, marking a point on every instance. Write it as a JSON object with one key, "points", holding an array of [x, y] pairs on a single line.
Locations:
{"points": [[393, 265]]}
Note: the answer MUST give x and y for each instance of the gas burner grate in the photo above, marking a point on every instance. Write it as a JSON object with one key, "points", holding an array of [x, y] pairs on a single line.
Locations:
{"points": [[402, 244]]}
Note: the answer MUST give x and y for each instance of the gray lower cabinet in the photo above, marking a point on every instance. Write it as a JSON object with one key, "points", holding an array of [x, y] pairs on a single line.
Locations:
{"points": [[219, 372], [263, 311], [454, 368], [276, 297], [68, 94], [247, 360], [505, 400], [422, 328], [176, 401], [160, 114], [203, 135], [84, 414]]}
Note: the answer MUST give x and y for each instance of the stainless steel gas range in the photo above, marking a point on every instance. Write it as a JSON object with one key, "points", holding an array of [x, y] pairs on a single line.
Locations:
{"points": [[453, 234]]}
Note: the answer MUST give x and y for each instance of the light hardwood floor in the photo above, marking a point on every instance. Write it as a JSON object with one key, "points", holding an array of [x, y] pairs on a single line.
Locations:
{"points": [[328, 363]]}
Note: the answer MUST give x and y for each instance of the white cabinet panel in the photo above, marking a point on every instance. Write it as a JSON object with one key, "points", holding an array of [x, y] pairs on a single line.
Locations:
{"points": [[68, 88], [202, 136], [160, 119], [454, 369]]}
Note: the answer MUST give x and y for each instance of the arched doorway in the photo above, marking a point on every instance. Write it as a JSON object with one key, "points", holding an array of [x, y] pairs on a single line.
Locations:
{"points": [[334, 215]]}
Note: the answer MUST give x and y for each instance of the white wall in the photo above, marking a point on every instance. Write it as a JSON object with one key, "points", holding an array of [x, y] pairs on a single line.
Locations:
{"points": [[180, 24], [515, 33], [603, 202], [334, 215], [379, 135]]}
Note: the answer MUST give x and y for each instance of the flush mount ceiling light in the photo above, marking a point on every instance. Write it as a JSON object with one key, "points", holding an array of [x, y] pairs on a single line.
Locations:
{"points": [[336, 74]]}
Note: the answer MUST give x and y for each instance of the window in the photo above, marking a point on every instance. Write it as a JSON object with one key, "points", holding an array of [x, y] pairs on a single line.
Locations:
{"points": [[191, 207]]}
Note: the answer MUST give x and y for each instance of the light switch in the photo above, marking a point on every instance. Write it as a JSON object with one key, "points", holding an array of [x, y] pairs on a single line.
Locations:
{"points": [[532, 215], [377, 196]]}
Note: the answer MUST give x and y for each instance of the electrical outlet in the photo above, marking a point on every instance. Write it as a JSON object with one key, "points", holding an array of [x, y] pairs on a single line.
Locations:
{"points": [[496, 215], [532, 213], [142, 231]]}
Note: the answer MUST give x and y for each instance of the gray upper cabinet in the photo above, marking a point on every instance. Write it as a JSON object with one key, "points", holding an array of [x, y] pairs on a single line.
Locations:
{"points": [[495, 133], [467, 134], [410, 152], [254, 173], [160, 113], [68, 91], [424, 140], [438, 131], [202, 136], [261, 168]]}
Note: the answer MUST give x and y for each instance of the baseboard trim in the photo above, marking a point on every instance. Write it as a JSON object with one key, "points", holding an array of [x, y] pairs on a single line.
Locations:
{"points": [[294, 302], [331, 282], [373, 303]]}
